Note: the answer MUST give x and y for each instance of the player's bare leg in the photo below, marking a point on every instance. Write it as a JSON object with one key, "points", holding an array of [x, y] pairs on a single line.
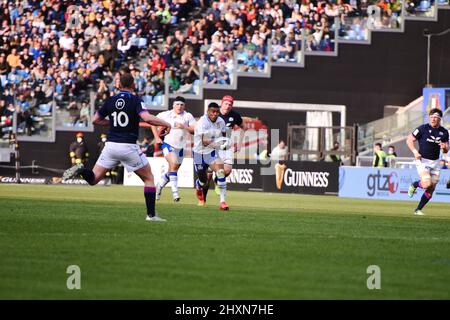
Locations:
{"points": [[145, 173], [429, 184], [200, 184], [173, 176], [227, 169], [206, 187], [424, 182], [218, 168]]}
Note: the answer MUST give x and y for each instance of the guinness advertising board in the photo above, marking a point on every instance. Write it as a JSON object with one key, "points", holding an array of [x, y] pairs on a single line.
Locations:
{"points": [[245, 177], [303, 177], [289, 177]]}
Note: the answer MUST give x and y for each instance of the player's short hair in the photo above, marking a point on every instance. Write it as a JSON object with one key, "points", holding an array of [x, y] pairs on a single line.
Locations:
{"points": [[126, 80], [436, 112], [179, 99], [213, 105], [378, 144]]}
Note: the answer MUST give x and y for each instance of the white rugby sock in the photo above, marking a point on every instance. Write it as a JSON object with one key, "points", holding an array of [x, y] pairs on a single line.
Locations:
{"points": [[222, 184], [164, 180], [173, 176]]}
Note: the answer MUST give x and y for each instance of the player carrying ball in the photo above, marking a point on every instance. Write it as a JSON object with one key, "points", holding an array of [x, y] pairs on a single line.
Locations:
{"points": [[208, 141]]}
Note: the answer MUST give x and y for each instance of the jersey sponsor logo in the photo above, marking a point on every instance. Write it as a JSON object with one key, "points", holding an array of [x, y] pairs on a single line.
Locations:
{"points": [[120, 104], [382, 184], [434, 139]]}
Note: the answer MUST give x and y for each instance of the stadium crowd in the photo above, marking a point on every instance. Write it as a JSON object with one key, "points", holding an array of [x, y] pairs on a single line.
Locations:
{"points": [[57, 51]]}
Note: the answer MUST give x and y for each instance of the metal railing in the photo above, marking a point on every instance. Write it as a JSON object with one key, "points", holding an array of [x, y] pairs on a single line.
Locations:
{"points": [[399, 162], [390, 129], [315, 143]]}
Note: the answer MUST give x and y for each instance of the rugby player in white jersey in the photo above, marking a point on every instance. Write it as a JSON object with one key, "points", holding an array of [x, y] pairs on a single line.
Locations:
{"points": [[183, 124], [208, 141], [233, 121]]}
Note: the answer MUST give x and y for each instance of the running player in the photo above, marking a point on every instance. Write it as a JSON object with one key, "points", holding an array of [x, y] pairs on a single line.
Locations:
{"points": [[208, 140], [124, 111], [233, 121], [431, 138], [183, 123]]}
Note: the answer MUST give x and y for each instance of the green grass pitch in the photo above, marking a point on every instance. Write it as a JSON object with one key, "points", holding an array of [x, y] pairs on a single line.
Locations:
{"points": [[269, 246]]}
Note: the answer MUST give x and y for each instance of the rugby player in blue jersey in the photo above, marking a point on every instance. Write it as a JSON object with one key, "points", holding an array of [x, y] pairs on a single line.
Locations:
{"points": [[432, 138], [124, 110]]}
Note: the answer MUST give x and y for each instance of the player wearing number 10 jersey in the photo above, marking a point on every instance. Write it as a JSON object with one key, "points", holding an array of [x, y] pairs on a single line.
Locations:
{"points": [[124, 110]]}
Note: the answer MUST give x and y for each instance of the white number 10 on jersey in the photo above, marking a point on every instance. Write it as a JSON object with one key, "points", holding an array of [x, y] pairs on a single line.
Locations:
{"points": [[120, 119]]}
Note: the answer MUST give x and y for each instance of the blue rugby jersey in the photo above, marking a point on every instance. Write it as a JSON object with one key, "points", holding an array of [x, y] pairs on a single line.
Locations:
{"points": [[123, 110], [429, 139]]}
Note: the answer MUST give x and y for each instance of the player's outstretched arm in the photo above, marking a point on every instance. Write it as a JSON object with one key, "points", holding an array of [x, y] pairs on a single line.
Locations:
{"points": [[410, 143], [99, 120], [155, 121]]}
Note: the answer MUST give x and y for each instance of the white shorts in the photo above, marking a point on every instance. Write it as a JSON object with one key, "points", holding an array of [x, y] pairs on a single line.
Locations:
{"points": [[429, 166], [130, 155], [179, 153], [227, 156]]}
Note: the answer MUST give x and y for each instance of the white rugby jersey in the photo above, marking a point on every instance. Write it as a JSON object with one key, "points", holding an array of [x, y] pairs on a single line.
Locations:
{"points": [[211, 130], [177, 137]]}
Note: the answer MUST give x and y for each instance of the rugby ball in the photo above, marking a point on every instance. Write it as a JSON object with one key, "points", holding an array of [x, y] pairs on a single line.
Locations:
{"points": [[224, 142], [162, 131]]}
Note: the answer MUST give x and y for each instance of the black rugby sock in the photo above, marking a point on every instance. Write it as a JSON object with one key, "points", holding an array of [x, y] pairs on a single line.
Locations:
{"points": [[88, 175], [150, 196]]}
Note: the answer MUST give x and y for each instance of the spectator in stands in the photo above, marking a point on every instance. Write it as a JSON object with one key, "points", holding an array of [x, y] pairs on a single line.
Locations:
{"points": [[25, 122], [174, 81], [223, 77], [13, 59], [85, 114], [210, 76], [3, 70]]}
